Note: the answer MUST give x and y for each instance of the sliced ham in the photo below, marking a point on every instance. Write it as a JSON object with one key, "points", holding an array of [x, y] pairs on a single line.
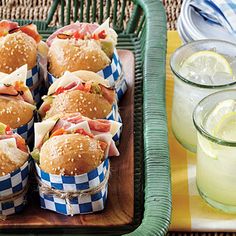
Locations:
{"points": [[81, 28], [8, 90]]}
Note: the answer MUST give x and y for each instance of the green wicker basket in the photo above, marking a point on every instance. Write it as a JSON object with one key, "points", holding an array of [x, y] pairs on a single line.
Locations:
{"points": [[141, 26]]}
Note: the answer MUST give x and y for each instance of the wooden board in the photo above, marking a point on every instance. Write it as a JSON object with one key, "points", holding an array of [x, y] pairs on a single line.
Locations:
{"points": [[119, 210]]}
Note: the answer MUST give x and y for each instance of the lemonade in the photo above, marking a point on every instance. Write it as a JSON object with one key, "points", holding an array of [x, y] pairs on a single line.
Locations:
{"points": [[198, 73], [215, 120]]}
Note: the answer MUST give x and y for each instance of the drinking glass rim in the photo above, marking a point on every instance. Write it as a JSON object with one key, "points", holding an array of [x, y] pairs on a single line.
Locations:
{"points": [[191, 82], [203, 131]]}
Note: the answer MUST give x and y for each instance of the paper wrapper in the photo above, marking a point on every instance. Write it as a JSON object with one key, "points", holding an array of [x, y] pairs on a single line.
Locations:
{"points": [[113, 73], [14, 183], [81, 204], [115, 115], [26, 131], [34, 83]]}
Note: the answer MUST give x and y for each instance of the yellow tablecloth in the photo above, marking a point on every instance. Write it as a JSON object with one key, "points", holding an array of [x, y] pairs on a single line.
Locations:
{"points": [[190, 212]]}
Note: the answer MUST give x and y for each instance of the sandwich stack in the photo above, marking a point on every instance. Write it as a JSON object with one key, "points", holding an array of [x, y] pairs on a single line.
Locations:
{"points": [[78, 124]]}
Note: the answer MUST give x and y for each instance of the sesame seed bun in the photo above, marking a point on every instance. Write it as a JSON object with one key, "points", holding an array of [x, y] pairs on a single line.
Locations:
{"points": [[17, 49], [70, 154], [8, 165], [88, 104], [11, 158], [15, 113], [71, 55]]}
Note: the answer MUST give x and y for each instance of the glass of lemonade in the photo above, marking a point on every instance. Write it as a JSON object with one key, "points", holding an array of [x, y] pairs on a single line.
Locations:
{"points": [[200, 68], [215, 121]]}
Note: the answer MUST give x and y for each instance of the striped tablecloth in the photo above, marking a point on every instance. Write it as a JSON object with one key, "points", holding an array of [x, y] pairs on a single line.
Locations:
{"points": [[190, 212]]}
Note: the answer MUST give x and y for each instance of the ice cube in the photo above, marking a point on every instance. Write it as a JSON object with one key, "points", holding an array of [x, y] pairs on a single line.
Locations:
{"points": [[205, 79]]}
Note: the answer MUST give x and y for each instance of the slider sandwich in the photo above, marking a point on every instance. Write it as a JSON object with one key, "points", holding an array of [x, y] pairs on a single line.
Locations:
{"points": [[73, 144], [18, 46], [81, 46], [13, 150], [82, 91], [16, 101]]}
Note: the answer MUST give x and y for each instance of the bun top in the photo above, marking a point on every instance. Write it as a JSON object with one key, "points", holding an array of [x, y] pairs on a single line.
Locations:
{"points": [[17, 49], [13, 150], [71, 154], [15, 113], [73, 55]]}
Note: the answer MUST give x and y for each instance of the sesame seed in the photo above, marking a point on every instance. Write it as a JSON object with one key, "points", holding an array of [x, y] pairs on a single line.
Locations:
{"points": [[72, 159], [72, 172]]}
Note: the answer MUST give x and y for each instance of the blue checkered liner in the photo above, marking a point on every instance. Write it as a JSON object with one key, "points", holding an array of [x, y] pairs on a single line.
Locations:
{"points": [[13, 183], [82, 204], [115, 115], [32, 76], [111, 72], [32, 81], [26, 131], [121, 88]]}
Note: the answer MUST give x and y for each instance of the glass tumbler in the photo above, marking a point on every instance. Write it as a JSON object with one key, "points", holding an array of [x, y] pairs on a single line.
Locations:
{"points": [[187, 93], [216, 155]]}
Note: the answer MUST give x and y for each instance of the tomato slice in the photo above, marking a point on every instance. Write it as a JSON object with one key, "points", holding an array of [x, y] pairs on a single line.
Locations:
{"points": [[58, 132], [31, 30], [8, 128], [102, 34], [99, 125], [20, 143]]}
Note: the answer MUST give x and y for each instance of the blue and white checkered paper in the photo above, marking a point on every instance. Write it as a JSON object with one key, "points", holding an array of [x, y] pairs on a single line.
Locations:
{"points": [[221, 12], [112, 72], [115, 115], [26, 131], [33, 82], [83, 204], [13, 183]]}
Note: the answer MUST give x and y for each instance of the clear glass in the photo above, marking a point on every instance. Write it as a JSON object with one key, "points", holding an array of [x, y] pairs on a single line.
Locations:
{"points": [[216, 158], [187, 93]]}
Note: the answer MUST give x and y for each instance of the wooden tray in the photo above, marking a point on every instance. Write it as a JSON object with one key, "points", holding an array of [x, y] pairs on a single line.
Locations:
{"points": [[119, 210]]}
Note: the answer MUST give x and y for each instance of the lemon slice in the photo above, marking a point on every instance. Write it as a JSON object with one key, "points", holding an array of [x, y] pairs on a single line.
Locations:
{"points": [[206, 63], [226, 128]]}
